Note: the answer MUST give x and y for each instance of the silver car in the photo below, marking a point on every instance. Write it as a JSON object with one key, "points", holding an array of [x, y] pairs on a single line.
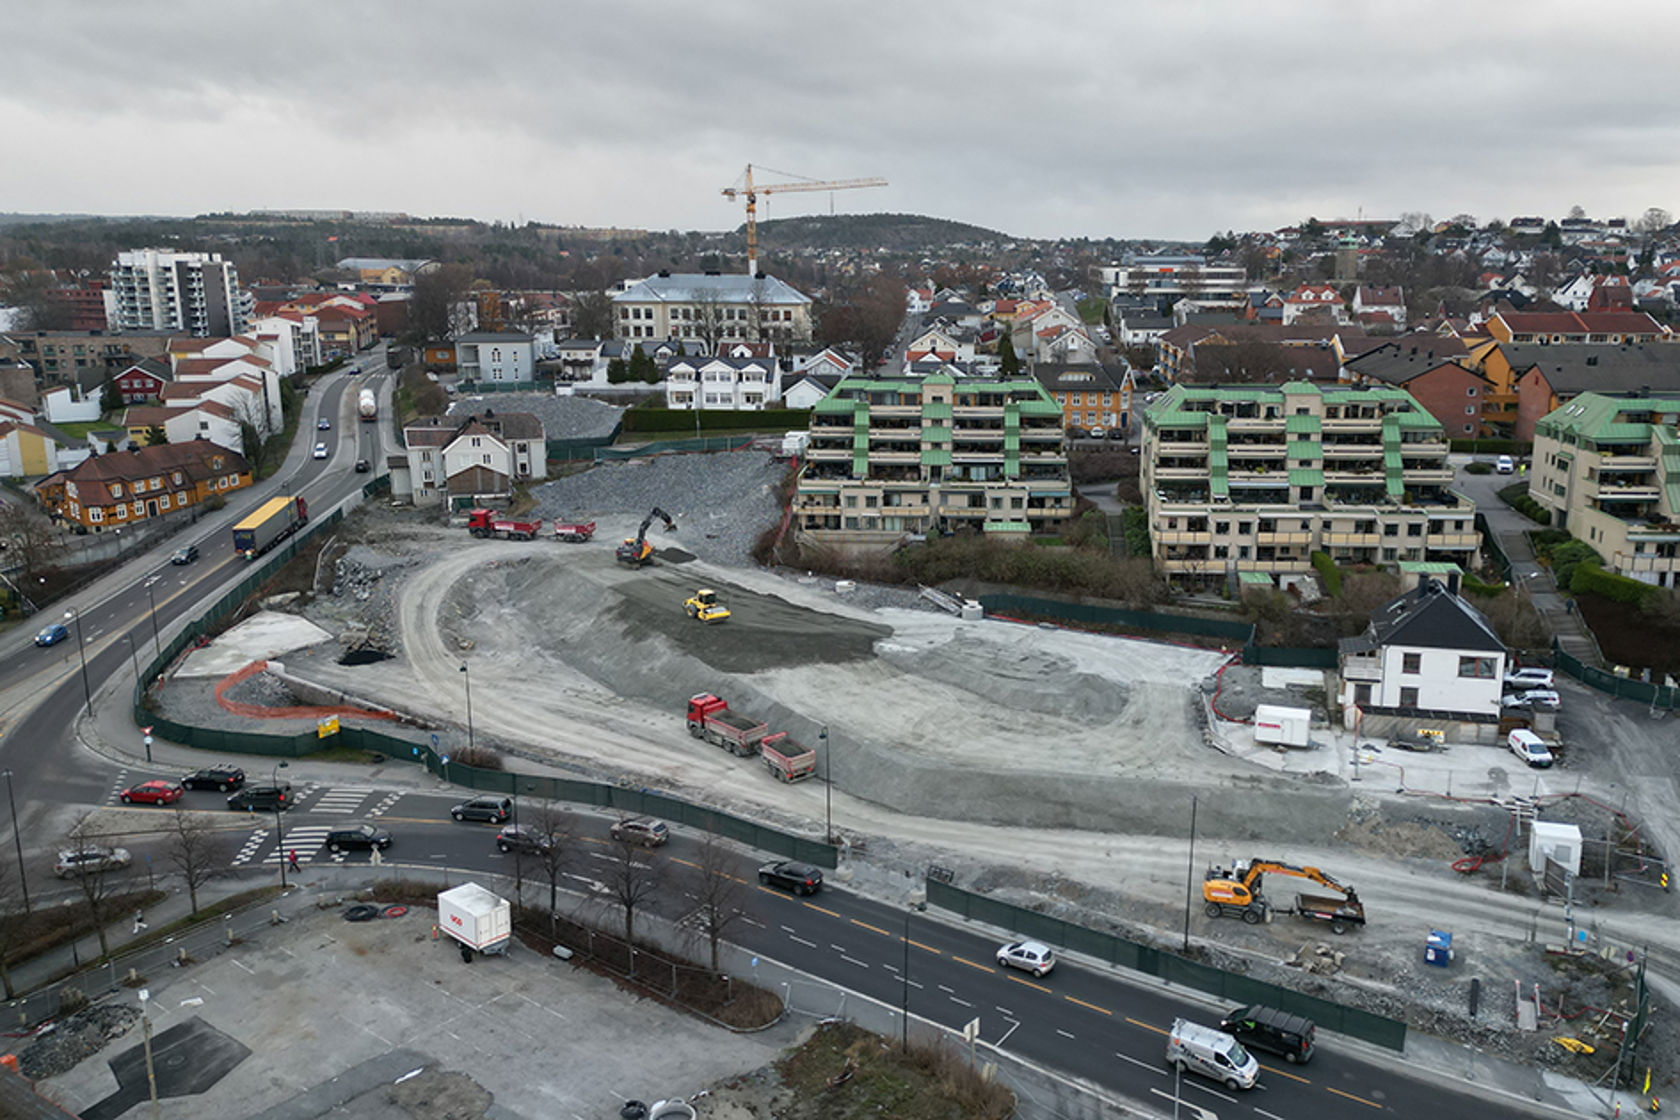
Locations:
{"points": [[75, 862]]}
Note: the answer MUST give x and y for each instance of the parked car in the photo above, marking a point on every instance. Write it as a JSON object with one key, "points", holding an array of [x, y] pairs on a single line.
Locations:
{"points": [[1505, 465], [1116, 433], [790, 875], [265, 798], [362, 466], [523, 838], [357, 835], [1528, 677], [221, 778], [184, 555], [323, 425], [1529, 747], [52, 635], [155, 792], [1028, 956], [1099, 432], [320, 451], [1535, 698], [641, 830], [1192, 1047], [1074, 431], [492, 809], [86, 861], [1267, 1028]]}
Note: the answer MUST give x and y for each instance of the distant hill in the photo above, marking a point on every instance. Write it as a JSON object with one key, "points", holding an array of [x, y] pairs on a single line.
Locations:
{"points": [[896, 232]]}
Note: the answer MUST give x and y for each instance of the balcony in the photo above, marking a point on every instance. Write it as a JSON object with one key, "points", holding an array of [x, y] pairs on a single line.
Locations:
{"points": [[1455, 542], [1626, 463], [1352, 540], [1180, 537], [1296, 539], [1356, 668]]}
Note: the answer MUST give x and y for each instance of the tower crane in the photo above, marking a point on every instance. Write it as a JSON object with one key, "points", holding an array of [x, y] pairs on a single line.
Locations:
{"points": [[745, 186]]}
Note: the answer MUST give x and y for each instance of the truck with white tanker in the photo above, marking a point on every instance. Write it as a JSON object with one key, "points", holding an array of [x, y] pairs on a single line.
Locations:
{"points": [[367, 405]]}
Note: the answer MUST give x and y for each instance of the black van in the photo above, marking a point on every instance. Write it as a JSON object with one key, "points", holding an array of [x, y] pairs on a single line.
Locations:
{"points": [[1267, 1028]]}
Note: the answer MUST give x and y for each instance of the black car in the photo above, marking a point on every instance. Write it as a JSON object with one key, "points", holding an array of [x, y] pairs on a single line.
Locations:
{"points": [[265, 798], [492, 809], [184, 555], [221, 778], [800, 878], [353, 836], [1267, 1028], [362, 466], [522, 838]]}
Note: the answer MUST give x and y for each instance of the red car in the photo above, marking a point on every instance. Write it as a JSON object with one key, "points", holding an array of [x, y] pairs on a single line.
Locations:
{"points": [[155, 792]]}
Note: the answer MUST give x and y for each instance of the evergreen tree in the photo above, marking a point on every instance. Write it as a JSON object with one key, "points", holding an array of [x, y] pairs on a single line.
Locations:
{"points": [[617, 372], [1006, 355], [110, 398]]}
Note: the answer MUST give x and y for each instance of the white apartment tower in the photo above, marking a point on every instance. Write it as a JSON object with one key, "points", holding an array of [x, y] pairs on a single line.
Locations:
{"points": [[160, 290]]}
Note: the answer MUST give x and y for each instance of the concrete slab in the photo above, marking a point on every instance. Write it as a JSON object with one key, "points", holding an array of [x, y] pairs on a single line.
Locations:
{"points": [[264, 635], [1277, 677]]}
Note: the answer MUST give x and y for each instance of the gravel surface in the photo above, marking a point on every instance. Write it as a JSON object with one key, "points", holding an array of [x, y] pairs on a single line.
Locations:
{"points": [[562, 417], [264, 689], [721, 502], [80, 1036]]}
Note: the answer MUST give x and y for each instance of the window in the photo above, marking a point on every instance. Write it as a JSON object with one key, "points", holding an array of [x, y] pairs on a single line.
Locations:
{"points": [[1408, 697], [1411, 663], [1362, 694], [1481, 668]]}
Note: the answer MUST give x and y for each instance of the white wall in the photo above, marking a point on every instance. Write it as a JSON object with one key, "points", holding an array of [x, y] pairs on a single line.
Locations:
{"points": [[61, 406], [1437, 681]]}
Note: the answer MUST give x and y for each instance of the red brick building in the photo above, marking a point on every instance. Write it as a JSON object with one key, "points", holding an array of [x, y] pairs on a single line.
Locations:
{"points": [[1432, 369]]}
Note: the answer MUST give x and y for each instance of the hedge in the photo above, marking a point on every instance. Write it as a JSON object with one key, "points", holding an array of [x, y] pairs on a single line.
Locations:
{"points": [[1328, 571], [1474, 586], [1590, 578], [646, 420]]}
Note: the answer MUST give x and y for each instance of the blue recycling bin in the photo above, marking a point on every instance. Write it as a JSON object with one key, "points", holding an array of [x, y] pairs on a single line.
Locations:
{"points": [[1438, 950]]}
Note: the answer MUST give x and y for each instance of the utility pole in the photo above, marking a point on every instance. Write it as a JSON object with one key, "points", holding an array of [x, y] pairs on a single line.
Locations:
{"points": [[1190, 875]]}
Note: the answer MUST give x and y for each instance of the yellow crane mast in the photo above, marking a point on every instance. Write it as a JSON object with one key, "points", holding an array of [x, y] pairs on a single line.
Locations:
{"points": [[744, 186]]}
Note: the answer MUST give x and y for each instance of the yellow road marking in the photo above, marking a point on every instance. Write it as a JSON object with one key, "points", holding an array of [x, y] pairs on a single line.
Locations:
{"points": [[924, 948], [773, 894], [1146, 1026], [821, 910], [1285, 1073], [1351, 1097], [684, 862], [1028, 983], [1092, 1006], [971, 964], [872, 929]]}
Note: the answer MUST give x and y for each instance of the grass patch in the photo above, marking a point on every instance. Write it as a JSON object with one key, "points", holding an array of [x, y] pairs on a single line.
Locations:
{"points": [[844, 1072], [81, 428], [1091, 310]]}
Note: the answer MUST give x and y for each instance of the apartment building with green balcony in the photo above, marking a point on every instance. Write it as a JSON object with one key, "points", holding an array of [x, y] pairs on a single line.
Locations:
{"points": [[1256, 478], [1608, 467], [891, 457]]}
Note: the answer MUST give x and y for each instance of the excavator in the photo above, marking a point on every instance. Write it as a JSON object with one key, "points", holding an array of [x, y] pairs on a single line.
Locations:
{"points": [[635, 551], [1234, 892], [703, 606]]}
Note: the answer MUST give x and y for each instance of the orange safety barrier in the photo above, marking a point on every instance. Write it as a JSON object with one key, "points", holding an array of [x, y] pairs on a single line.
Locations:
{"points": [[299, 711]]}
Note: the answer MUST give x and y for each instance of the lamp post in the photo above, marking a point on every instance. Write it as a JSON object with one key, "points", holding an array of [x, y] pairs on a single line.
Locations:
{"points": [[87, 689], [466, 679], [157, 643], [279, 829], [1190, 875], [17, 839], [828, 786], [151, 1071], [133, 658]]}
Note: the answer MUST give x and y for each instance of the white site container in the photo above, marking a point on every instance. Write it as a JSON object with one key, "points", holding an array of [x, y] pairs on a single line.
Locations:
{"points": [[477, 918], [794, 444], [1288, 726], [1558, 842]]}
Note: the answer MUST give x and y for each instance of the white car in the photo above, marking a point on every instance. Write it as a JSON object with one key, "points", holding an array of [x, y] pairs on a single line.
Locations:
{"points": [[1528, 677], [1028, 956], [320, 451], [1505, 465], [75, 862], [1535, 698], [1529, 747]]}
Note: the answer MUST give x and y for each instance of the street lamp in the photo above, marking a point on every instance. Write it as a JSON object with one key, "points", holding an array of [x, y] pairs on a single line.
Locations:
{"points": [[466, 679], [133, 658], [279, 829], [157, 643], [1190, 875], [828, 786], [17, 839], [87, 689]]}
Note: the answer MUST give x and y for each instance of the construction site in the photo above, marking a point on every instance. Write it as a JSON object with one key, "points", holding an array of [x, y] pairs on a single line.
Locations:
{"points": [[1051, 768]]}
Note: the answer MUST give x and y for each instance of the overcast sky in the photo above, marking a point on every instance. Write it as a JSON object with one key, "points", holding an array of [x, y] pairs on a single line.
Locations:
{"points": [[1115, 118]]}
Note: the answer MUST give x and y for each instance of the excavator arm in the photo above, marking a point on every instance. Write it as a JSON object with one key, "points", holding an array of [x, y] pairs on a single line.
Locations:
{"points": [[635, 550]]}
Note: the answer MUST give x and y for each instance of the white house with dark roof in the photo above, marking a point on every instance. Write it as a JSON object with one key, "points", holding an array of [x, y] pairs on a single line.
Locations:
{"points": [[472, 457], [726, 383], [1427, 658]]}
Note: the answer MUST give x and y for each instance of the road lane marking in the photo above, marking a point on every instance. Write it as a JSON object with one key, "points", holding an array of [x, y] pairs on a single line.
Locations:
{"points": [[853, 960], [841, 949], [1285, 1073], [1268, 1115], [872, 929], [787, 929], [802, 941], [947, 991], [1145, 1026], [891, 968], [1197, 1111], [971, 964], [822, 910], [1140, 1063], [1351, 1097], [774, 894], [999, 1044], [926, 948], [918, 987], [1089, 1006], [1004, 1011], [1063, 1033], [1028, 983], [684, 862], [1211, 1092], [964, 1002]]}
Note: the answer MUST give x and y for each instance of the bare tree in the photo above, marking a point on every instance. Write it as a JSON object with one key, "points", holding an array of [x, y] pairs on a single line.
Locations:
{"points": [[633, 879], [719, 892], [97, 873], [592, 315], [708, 322], [28, 538], [196, 851], [552, 830], [1654, 220], [432, 308]]}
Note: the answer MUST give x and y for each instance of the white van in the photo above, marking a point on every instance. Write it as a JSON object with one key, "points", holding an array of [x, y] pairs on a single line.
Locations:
{"points": [[1198, 1049], [1529, 747]]}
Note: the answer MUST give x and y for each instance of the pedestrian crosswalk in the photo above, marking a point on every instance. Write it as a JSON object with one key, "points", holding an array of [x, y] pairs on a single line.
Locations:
{"points": [[306, 841], [343, 800]]}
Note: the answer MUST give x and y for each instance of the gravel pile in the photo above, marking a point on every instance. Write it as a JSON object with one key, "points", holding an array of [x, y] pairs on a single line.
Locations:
{"points": [[81, 1036], [366, 596], [721, 502], [562, 417], [264, 690]]}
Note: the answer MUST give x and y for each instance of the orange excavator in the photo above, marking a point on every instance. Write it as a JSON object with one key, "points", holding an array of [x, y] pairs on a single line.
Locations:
{"points": [[635, 551], [1235, 892]]}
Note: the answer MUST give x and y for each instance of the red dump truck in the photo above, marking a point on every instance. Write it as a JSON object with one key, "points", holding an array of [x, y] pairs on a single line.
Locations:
{"points": [[787, 758], [489, 523], [574, 532], [709, 718]]}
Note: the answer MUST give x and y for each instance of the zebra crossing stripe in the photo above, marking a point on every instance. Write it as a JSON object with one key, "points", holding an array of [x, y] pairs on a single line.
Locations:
{"points": [[305, 840]]}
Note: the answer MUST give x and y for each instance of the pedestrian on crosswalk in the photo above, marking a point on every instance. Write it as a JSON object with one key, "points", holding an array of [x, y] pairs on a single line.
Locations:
{"points": [[291, 858]]}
